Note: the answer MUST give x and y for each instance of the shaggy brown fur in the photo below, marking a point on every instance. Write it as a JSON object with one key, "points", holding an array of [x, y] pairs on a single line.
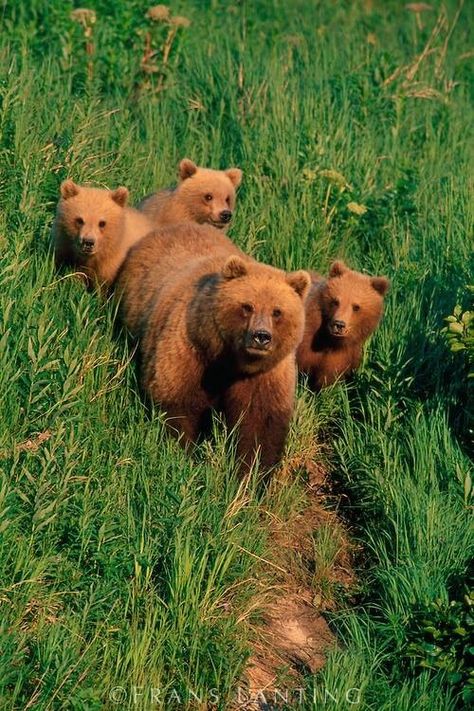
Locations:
{"points": [[202, 195], [93, 230], [341, 313], [218, 330]]}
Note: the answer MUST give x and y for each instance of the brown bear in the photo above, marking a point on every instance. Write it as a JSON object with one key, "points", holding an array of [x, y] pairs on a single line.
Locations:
{"points": [[94, 229], [341, 313], [218, 330], [202, 195]]}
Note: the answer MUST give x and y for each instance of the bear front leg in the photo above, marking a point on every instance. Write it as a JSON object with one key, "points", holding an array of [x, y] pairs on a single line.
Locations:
{"points": [[185, 423], [172, 378], [262, 405]]}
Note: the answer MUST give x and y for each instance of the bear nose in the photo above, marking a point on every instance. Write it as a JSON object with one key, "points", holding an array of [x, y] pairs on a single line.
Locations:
{"points": [[261, 338], [339, 326], [88, 241], [226, 216]]}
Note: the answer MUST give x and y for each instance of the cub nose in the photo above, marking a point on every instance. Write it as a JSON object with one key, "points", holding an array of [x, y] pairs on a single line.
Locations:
{"points": [[339, 326], [88, 242], [261, 338], [226, 216]]}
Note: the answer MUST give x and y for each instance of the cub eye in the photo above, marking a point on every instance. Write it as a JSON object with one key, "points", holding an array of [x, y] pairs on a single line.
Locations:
{"points": [[79, 221], [102, 224], [334, 302], [227, 200], [276, 313], [355, 307], [208, 197], [247, 308]]}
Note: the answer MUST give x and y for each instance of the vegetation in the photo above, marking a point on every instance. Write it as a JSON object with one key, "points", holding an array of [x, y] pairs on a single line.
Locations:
{"points": [[442, 638], [125, 565], [459, 333]]}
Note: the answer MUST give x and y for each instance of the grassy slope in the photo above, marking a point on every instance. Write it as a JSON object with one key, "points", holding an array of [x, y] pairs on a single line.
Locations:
{"points": [[118, 554]]}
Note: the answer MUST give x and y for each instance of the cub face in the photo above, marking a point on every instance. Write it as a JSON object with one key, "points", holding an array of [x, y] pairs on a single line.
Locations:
{"points": [[89, 216], [260, 312], [352, 303], [208, 194]]}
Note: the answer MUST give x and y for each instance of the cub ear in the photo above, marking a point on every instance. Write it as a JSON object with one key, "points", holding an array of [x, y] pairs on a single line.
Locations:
{"points": [[186, 168], [300, 281], [337, 269], [380, 284], [234, 267], [120, 196], [68, 189], [235, 176]]}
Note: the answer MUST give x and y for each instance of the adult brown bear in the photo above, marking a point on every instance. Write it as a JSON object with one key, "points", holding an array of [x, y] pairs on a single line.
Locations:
{"points": [[217, 330]]}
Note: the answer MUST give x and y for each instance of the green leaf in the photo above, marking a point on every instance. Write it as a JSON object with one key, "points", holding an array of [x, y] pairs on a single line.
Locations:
{"points": [[467, 487]]}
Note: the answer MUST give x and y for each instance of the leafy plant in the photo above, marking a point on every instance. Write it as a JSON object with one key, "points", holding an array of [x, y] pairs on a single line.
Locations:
{"points": [[441, 637], [459, 333], [162, 30]]}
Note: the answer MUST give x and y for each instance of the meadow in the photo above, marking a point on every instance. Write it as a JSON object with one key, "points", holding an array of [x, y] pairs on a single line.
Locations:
{"points": [[125, 564]]}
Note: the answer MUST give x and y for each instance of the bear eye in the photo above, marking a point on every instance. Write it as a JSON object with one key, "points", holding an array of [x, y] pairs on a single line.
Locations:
{"points": [[355, 307], [208, 197], [247, 308], [102, 224], [276, 313], [334, 302], [228, 200], [79, 221]]}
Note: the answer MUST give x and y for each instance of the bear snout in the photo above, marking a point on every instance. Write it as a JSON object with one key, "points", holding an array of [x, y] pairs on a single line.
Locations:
{"points": [[338, 328], [225, 216], [87, 244], [259, 338]]}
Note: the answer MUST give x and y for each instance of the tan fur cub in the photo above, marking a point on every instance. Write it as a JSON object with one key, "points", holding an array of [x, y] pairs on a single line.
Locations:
{"points": [[94, 229], [202, 195], [342, 311]]}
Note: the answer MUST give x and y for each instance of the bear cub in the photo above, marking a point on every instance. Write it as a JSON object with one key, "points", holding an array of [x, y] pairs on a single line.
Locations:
{"points": [[341, 313], [218, 330], [202, 195], [94, 229]]}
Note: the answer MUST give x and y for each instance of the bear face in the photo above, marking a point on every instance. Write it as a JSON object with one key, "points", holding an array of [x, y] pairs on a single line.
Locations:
{"points": [[259, 312], [88, 217], [209, 195], [351, 303]]}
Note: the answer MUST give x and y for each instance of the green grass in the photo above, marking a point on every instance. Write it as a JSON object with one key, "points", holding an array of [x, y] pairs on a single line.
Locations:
{"points": [[122, 561]]}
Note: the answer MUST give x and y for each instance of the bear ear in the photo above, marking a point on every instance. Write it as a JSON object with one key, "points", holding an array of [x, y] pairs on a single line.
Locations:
{"points": [[337, 269], [120, 196], [186, 168], [68, 189], [235, 176], [380, 284], [300, 281], [234, 267]]}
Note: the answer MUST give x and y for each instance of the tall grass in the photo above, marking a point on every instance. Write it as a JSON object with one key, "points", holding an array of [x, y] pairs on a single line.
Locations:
{"points": [[123, 562]]}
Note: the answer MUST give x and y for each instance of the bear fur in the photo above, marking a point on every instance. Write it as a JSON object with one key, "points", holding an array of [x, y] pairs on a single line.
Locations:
{"points": [[218, 330], [342, 311], [94, 229], [202, 195]]}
